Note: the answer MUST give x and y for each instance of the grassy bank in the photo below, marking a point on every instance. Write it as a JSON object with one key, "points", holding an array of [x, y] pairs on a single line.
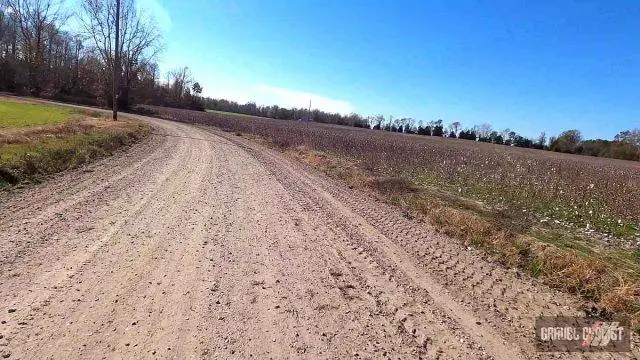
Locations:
{"points": [[37, 140]]}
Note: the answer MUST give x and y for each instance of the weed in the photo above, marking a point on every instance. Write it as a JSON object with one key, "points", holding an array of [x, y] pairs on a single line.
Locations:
{"points": [[535, 268]]}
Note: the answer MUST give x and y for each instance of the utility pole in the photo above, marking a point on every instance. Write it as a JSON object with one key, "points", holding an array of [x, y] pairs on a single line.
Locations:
{"points": [[309, 113], [116, 64]]}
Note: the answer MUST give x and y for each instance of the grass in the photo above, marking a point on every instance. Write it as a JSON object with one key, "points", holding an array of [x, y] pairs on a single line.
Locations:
{"points": [[47, 139], [16, 115]]}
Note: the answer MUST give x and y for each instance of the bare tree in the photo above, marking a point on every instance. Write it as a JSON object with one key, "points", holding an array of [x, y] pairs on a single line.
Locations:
{"points": [[36, 21], [542, 140], [180, 82], [8, 46], [483, 131], [5, 28], [139, 41], [410, 125], [506, 134], [456, 126]]}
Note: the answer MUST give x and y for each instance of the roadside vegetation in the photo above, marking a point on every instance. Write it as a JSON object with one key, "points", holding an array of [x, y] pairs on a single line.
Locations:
{"points": [[37, 140], [569, 221]]}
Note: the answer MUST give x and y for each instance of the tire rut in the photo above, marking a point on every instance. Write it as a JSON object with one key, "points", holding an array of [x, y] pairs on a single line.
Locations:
{"points": [[200, 244], [499, 303]]}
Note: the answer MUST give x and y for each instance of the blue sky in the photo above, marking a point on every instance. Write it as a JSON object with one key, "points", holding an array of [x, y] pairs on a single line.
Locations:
{"points": [[527, 65]]}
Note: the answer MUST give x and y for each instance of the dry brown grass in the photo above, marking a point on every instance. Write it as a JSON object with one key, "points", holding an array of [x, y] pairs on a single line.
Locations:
{"points": [[622, 299], [31, 153], [333, 165], [77, 124]]}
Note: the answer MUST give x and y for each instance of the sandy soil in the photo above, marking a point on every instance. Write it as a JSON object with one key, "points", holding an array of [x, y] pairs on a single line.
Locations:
{"points": [[201, 244]]}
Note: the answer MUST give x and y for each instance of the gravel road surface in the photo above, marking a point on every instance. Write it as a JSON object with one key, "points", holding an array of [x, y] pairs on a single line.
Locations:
{"points": [[202, 244]]}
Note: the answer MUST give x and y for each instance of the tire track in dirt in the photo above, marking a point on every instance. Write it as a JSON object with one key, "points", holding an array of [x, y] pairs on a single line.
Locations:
{"points": [[386, 315], [29, 227], [208, 246], [108, 174], [364, 234], [484, 293], [68, 234], [61, 196], [61, 274]]}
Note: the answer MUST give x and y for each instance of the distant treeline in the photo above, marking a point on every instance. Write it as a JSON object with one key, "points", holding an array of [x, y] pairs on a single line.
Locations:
{"points": [[626, 145], [281, 113]]}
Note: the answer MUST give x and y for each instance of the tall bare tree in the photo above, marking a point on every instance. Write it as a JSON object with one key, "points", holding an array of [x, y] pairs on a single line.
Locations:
{"points": [[140, 41], [8, 47], [180, 81]]}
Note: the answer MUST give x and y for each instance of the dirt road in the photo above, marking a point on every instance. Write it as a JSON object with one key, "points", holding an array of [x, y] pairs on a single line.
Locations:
{"points": [[198, 244]]}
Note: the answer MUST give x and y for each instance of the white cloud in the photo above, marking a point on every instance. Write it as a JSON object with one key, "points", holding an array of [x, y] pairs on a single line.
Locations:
{"points": [[263, 94], [156, 10]]}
